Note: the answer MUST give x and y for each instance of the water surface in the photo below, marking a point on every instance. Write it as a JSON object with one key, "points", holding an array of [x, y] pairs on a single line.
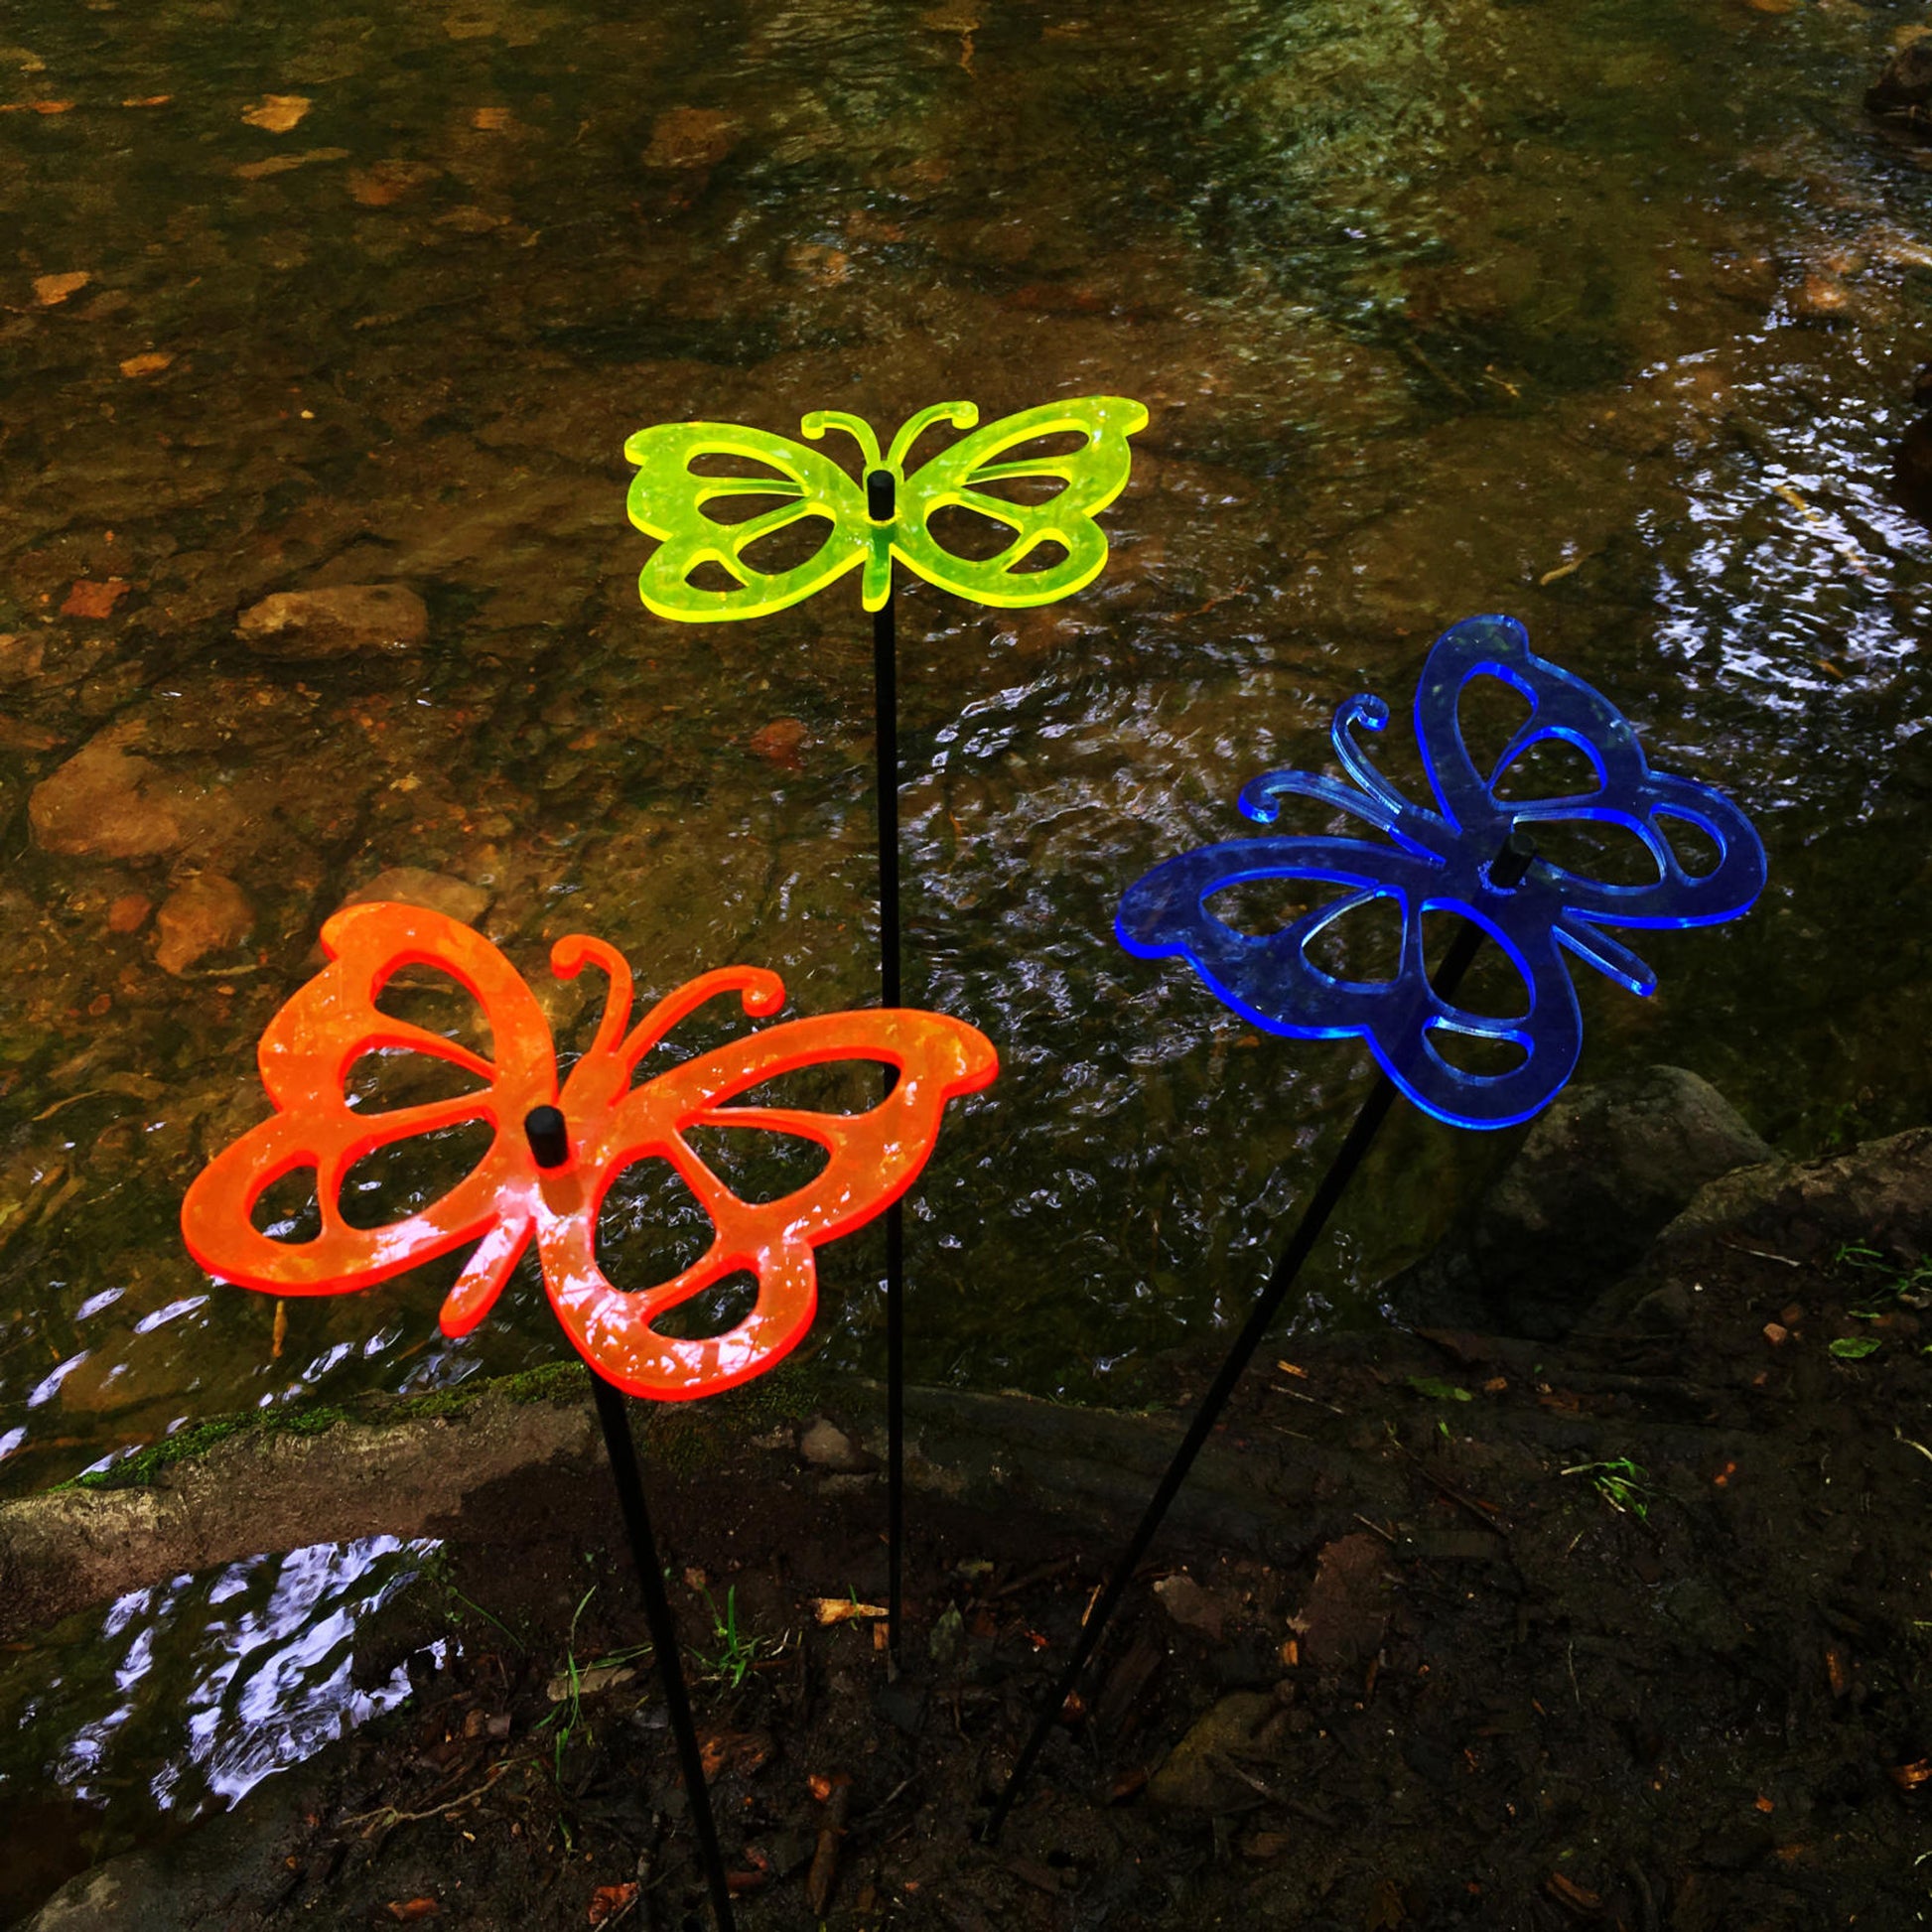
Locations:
{"points": [[1602, 315]]}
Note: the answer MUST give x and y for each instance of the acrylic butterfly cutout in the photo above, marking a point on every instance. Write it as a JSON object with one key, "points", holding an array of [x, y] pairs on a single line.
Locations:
{"points": [[1439, 861], [309, 1048], [668, 501]]}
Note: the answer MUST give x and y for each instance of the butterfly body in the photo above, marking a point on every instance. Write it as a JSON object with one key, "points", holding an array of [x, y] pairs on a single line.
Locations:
{"points": [[669, 500], [1439, 858], [508, 1201]]}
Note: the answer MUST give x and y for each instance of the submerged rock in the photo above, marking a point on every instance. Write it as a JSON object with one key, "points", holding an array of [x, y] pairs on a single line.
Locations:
{"points": [[303, 624], [691, 138], [781, 743], [1599, 1176], [1911, 462], [1904, 91], [434, 892], [110, 803], [204, 914]]}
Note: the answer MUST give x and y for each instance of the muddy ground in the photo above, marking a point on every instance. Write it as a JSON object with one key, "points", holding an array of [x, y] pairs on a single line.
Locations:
{"points": [[1627, 1630]]}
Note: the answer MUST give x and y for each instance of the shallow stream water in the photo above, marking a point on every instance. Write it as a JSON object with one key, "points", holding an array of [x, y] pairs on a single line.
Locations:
{"points": [[1603, 316]]}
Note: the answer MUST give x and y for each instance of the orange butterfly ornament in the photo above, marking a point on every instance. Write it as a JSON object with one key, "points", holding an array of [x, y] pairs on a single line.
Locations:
{"points": [[313, 1043]]}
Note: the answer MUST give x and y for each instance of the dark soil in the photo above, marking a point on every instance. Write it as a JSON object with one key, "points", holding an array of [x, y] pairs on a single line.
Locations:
{"points": [[1478, 1693]]}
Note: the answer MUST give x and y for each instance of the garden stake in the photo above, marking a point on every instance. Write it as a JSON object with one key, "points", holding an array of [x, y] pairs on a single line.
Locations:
{"points": [[882, 506], [549, 1138], [667, 501], [613, 1412], [1511, 862]]}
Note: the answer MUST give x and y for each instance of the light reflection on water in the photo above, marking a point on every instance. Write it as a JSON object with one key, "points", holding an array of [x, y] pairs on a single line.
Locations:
{"points": [[188, 1694], [1435, 311]]}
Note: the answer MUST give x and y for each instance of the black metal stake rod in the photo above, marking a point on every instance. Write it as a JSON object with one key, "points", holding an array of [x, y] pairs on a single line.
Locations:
{"points": [[548, 1137], [1506, 872], [881, 507]]}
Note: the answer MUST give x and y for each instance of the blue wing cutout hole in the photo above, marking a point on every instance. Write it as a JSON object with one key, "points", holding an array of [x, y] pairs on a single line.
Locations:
{"points": [[651, 1226], [390, 1183], [1477, 1057], [1489, 712], [1598, 849], [1258, 909], [1550, 768], [1690, 844], [1492, 987], [1361, 946], [716, 1311], [787, 548], [289, 1209]]}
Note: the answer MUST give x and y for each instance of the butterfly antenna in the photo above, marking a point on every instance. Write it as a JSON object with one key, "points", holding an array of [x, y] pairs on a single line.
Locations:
{"points": [[862, 432], [960, 415], [1368, 712], [569, 957], [1261, 798], [760, 992]]}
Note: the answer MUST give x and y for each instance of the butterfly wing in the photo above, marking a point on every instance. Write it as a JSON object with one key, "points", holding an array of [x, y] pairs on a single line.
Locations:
{"points": [[874, 1156], [1627, 793], [668, 501], [306, 1056], [1270, 979], [1090, 477]]}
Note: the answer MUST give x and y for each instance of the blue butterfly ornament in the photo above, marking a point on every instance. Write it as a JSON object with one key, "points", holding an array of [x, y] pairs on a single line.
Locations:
{"points": [[1439, 861]]}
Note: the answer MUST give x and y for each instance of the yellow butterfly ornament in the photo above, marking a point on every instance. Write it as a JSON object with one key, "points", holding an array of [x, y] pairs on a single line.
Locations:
{"points": [[888, 515]]}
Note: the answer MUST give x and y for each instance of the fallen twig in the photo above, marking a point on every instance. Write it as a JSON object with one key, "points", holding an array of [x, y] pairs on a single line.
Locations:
{"points": [[1487, 1514], [389, 1817]]}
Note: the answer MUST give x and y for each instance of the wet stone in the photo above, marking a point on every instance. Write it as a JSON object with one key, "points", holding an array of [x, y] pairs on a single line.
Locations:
{"points": [[1904, 86], [20, 656], [204, 914], [1348, 1605], [1239, 1726], [304, 624], [827, 1447], [1189, 1605], [1601, 1172]]}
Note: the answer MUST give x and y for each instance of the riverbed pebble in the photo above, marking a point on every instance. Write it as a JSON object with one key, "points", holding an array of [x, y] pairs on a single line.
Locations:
{"points": [[334, 622]]}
